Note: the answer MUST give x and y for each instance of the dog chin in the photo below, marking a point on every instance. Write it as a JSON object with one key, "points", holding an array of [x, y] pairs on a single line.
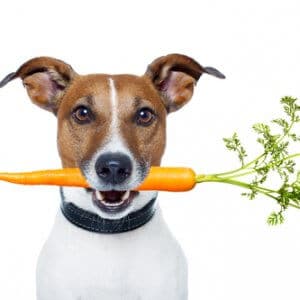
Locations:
{"points": [[86, 199]]}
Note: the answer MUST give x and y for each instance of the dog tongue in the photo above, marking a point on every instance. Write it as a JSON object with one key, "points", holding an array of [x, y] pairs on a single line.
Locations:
{"points": [[112, 196]]}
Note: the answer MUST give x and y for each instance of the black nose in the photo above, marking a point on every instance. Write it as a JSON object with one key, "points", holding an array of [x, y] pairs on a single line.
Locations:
{"points": [[113, 168]]}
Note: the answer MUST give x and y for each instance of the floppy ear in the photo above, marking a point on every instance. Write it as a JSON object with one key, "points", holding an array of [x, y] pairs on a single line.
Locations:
{"points": [[45, 79], [174, 76]]}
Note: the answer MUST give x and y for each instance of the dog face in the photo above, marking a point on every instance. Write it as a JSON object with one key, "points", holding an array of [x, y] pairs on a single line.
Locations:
{"points": [[112, 139], [112, 127]]}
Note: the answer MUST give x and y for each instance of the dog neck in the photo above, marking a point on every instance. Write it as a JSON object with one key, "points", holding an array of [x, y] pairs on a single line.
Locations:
{"points": [[87, 218]]}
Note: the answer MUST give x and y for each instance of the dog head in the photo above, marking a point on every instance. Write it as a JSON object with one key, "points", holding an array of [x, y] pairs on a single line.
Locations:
{"points": [[112, 127]]}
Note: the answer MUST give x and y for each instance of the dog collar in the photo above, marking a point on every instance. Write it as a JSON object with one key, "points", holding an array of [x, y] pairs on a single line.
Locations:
{"points": [[92, 222]]}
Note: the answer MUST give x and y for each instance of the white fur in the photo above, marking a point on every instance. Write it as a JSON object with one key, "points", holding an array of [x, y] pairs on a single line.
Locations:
{"points": [[143, 264], [114, 106]]}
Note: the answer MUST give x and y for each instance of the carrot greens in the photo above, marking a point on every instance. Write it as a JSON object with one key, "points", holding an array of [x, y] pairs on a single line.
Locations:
{"points": [[274, 160]]}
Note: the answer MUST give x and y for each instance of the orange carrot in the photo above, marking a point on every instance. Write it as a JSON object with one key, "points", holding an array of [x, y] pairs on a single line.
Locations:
{"points": [[61, 177], [169, 179], [159, 178]]}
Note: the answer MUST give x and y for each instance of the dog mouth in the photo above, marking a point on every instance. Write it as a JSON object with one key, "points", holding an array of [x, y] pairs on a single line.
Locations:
{"points": [[113, 201]]}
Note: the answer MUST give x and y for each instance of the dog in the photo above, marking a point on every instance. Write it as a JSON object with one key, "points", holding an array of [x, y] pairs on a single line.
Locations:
{"points": [[109, 241]]}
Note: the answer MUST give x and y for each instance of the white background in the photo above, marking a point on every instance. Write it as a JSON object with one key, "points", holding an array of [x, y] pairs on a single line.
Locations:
{"points": [[232, 253]]}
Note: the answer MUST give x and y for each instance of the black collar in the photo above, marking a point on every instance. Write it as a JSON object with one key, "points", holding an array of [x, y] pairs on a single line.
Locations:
{"points": [[92, 222]]}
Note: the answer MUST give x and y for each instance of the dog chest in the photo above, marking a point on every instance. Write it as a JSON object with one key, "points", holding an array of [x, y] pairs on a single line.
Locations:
{"points": [[145, 261]]}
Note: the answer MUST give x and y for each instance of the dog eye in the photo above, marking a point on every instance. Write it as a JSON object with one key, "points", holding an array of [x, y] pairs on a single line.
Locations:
{"points": [[145, 116], [82, 115]]}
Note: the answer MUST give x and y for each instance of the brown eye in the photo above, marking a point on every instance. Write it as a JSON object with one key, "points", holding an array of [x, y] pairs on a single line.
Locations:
{"points": [[145, 116], [82, 115]]}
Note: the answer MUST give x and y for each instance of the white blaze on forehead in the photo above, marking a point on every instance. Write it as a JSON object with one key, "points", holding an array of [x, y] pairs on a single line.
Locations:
{"points": [[114, 107], [114, 139]]}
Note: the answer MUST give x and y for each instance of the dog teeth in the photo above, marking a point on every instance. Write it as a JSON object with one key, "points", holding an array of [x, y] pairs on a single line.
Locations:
{"points": [[99, 195], [126, 195], [112, 204]]}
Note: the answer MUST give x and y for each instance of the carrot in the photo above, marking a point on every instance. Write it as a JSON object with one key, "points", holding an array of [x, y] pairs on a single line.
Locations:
{"points": [[159, 178], [61, 177], [169, 179]]}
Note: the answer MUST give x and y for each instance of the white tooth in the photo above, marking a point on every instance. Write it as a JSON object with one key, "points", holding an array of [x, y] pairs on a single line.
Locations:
{"points": [[126, 195], [112, 204], [99, 195]]}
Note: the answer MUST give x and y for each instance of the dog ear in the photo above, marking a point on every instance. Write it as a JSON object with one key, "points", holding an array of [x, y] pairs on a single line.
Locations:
{"points": [[45, 79], [174, 76]]}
